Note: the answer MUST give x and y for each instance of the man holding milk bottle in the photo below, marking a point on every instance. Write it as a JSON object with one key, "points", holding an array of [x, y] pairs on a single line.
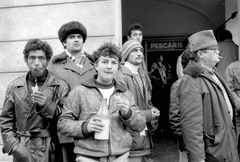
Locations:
{"points": [[98, 113]]}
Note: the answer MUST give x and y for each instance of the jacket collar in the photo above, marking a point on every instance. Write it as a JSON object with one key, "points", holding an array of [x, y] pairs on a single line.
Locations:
{"points": [[50, 81], [125, 70], [69, 64], [193, 69], [91, 84]]}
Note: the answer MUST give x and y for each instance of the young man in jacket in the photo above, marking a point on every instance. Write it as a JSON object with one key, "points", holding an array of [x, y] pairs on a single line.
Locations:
{"points": [[131, 77], [74, 66], [79, 118], [32, 105], [135, 33], [208, 117]]}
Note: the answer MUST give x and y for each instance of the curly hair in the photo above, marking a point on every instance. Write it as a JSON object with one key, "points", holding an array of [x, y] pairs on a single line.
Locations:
{"points": [[135, 26], [37, 44], [107, 50]]}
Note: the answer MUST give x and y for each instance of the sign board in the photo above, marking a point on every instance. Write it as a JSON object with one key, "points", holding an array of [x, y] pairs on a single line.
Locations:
{"points": [[165, 44]]}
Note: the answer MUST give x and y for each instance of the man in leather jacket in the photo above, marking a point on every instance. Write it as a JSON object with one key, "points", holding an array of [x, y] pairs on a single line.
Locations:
{"points": [[31, 108]]}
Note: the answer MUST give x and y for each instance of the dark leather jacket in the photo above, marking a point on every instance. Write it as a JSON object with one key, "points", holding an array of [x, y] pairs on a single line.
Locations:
{"points": [[19, 117]]}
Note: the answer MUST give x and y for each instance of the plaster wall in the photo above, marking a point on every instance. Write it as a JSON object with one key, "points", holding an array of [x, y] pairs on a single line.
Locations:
{"points": [[26, 19]]}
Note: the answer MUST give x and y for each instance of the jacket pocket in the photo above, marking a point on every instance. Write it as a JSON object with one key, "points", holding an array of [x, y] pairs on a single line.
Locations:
{"points": [[139, 142], [20, 153], [216, 147]]}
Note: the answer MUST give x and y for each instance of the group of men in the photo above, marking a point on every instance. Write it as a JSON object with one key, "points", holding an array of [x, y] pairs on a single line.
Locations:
{"points": [[50, 114]]}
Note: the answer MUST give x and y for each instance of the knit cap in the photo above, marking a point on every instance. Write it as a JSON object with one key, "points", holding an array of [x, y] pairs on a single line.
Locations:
{"points": [[201, 40], [127, 48], [72, 27]]}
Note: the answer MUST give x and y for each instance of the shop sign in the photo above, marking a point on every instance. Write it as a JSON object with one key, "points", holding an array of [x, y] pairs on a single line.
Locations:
{"points": [[165, 45]]}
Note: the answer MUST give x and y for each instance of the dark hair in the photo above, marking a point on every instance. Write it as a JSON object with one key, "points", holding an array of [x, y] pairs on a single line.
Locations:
{"points": [[224, 34], [107, 50], [37, 44], [185, 57], [135, 26]]}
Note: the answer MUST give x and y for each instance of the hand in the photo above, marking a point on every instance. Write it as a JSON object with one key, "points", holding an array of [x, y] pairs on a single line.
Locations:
{"points": [[155, 113], [95, 125], [123, 105], [39, 98]]}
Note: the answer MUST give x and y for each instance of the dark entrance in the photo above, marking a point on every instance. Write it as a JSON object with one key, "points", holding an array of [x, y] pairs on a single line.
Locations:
{"points": [[170, 48]]}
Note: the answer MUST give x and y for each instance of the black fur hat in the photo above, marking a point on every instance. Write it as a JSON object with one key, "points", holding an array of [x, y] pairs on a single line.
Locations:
{"points": [[72, 27]]}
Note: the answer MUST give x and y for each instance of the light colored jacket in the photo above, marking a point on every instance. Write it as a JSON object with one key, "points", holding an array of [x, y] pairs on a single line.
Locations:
{"points": [[83, 104]]}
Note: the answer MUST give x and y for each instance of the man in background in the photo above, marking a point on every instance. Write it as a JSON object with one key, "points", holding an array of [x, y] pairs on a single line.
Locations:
{"points": [[228, 51], [74, 66], [134, 79], [135, 33], [232, 77]]}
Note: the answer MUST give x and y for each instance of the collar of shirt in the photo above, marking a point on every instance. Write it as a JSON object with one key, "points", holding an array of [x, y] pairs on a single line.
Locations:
{"points": [[73, 58]]}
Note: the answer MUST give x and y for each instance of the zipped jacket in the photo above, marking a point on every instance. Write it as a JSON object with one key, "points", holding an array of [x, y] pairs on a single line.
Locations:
{"points": [[83, 104]]}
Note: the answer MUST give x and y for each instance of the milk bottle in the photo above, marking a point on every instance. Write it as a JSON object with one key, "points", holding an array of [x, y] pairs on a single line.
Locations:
{"points": [[104, 116]]}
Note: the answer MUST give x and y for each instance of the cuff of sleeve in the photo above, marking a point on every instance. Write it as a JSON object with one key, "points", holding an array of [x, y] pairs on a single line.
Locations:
{"points": [[7, 148], [127, 116], [47, 110], [84, 129]]}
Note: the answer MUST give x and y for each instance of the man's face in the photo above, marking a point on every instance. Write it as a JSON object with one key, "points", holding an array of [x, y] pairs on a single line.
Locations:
{"points": [[160, 58], [210, 56], [136, 35], [107, 68], [136, 56], [74, 43], [37, 63]]}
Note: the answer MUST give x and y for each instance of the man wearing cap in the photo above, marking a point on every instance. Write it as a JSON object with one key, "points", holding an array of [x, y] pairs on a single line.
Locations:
{"points": [[134, 79], [74, 66], [207, 109]]}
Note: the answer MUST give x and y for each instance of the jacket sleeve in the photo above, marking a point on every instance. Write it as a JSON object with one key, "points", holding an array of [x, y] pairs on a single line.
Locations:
{"points": [[174, 110], [69, 123], [54, 106], [137, 121], [7, 122], [192, 118]]}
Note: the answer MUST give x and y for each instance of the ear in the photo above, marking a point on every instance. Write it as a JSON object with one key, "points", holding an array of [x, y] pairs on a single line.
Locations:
{"points": [[25, 60], [128, 37], [200, 54]]}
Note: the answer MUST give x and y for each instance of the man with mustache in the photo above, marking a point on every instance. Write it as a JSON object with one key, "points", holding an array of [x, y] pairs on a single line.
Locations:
{"points": [[74, 66], [31, 108], [134, 79]]}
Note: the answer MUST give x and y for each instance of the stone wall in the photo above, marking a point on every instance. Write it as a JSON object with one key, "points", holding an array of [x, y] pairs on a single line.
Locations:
{"points": [[26, 19]]}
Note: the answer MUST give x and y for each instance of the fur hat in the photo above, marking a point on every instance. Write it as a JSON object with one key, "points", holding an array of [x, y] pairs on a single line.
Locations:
{"points": [[201, 40], [128, 46], [72, 27]]}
